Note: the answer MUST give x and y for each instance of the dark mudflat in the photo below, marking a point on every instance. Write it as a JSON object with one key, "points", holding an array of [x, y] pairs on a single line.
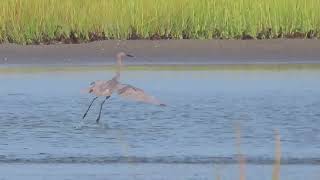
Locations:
{"points": [[196, 52]]}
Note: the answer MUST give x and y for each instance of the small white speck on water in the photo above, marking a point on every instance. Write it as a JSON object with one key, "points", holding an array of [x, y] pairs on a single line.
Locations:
{"points": [[79, 125]]}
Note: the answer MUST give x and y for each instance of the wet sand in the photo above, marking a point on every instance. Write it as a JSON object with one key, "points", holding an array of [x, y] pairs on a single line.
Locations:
{"points": [[194, 52]]}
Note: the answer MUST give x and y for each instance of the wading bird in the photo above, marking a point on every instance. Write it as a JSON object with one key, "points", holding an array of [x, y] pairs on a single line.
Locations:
{"points": [[102, 88]]}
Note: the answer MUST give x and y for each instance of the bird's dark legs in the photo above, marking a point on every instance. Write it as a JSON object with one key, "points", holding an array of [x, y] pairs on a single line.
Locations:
{"points": [[85, 114], [101, 108]]}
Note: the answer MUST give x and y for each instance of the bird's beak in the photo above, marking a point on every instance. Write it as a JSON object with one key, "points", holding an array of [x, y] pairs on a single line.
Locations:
{"points": [[129, 55]]}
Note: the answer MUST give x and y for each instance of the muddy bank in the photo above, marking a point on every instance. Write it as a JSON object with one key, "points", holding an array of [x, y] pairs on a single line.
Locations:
{"points": [[196, 52]]}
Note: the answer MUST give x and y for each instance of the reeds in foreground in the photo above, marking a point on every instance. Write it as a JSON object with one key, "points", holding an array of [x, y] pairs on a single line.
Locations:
{"points": [[241, 157], [242, 161], [277, 162]]}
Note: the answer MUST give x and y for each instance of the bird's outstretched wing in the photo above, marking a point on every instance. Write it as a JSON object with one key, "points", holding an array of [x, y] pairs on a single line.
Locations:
{"points": [[136, 94]]}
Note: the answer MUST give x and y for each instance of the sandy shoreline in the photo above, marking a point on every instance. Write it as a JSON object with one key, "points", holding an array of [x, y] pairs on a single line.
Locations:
{"points": [[166, 52]]}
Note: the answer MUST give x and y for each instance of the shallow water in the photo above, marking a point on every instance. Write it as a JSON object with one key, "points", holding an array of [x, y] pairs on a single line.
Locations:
{"points": [[41, 120]]}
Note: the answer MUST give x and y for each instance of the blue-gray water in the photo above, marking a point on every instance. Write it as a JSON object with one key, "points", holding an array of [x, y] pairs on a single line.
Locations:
{"points": [[41, 124]]}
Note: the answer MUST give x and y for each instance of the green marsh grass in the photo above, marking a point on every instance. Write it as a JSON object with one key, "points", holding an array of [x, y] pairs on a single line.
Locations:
{"points": [[74, 21]]}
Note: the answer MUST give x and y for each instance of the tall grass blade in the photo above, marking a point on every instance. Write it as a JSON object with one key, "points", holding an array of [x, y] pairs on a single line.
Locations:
{"points": [[277, 162], [240, 156]]}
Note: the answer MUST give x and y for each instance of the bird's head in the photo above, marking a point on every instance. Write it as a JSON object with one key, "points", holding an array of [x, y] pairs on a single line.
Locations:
{"points": [[120, 55]]}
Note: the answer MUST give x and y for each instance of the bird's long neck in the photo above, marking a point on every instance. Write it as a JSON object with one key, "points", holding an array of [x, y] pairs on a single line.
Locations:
{"points": [[119, 65]]}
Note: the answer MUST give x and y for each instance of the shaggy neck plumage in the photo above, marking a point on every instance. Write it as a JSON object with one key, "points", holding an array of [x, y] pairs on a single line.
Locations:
{"points": [[119, 64]]}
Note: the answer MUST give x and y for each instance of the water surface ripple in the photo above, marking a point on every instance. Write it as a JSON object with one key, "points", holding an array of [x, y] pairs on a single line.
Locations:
{"points": [[40, 118]]}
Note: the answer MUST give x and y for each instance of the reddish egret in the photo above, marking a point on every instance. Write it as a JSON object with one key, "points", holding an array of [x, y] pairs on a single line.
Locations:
{"points": [[105, 88]]}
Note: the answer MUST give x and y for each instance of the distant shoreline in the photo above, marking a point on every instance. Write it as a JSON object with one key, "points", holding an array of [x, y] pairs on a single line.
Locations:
{"points": [[165, 52]]}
